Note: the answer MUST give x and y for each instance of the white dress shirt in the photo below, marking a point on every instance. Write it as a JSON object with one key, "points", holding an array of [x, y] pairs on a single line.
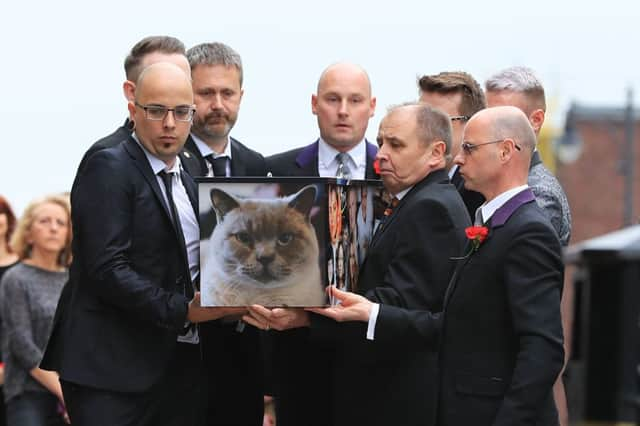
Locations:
{"points": [[206, 150], [357, 160]]}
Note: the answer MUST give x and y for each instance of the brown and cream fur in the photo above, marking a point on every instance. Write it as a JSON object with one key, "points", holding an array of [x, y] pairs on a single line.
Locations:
{"points": [[263, 251]]}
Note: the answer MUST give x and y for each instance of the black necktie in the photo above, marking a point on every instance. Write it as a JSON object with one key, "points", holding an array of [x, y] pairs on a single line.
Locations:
{"points": [[166, 179], [219, 165]]}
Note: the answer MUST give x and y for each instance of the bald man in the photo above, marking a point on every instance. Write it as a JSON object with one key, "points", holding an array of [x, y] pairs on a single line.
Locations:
{"points": [[125, 348], [343, 104], [148, 51], [499, 336]]}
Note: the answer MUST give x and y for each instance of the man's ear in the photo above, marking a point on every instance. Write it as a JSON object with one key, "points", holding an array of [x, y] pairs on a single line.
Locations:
{"points": [[129, 90], [536, 118], [438, 153], [314, 104], [131, 106], [372, 107]]}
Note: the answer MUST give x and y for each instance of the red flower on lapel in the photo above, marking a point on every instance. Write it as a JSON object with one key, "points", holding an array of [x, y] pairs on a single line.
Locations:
{"points": [[376, 166], [477, 234]]}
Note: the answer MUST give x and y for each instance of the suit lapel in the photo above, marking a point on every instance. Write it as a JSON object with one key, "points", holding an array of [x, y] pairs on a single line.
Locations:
{"points": [[191, 146], [141, 162], [498, 219], [238, 166], [307, 160], [372, 150]]}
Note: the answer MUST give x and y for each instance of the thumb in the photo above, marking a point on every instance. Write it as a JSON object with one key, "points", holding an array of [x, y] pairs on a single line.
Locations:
{"points": [[339, 294]]}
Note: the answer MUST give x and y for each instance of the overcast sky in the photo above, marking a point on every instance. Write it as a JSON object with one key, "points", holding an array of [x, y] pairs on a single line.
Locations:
{"points": [[62, 67]]}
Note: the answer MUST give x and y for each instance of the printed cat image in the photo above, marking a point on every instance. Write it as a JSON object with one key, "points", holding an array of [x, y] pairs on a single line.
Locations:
{"points": [[263, 251]]}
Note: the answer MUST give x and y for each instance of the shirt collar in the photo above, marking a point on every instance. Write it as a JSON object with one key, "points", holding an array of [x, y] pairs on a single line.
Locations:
{"points": [[452, 171], [157, 165], [400, 195], [205, 150], [357, 154], [490, 207]]}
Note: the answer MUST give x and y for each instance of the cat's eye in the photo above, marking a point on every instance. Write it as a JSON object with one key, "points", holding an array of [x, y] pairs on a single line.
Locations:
{"points": [[284, 239], [243, 237]]}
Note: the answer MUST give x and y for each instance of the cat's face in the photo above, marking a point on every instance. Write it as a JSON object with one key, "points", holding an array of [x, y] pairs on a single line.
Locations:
{"points": [[265, 241]]}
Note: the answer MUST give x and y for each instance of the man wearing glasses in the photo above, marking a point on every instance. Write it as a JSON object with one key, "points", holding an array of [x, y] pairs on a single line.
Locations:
{"points": [[499, 335], [521, 88], [147, 51], [460, 96], [125, 347]]}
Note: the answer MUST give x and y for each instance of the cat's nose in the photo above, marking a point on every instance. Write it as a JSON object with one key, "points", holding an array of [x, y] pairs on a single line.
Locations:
{"points": [[265, 259]]}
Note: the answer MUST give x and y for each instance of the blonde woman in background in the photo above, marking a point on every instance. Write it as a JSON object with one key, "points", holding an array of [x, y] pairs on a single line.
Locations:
{"points": [[29, 293]]}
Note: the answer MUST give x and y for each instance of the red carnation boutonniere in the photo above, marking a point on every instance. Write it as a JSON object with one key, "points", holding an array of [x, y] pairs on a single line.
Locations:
{"points": [[376, 166], [477, 234]]}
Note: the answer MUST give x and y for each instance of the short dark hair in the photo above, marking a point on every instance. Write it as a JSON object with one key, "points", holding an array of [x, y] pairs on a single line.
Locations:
{"points": [[151, 44], [5, 208], [448, 82]]}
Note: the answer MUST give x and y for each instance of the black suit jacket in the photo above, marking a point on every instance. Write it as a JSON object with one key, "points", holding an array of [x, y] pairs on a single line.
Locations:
{"points": [[302, 368], [408, 266], [244, 161], [472, 199], [232, 360], [117, 322], [501, 334]]}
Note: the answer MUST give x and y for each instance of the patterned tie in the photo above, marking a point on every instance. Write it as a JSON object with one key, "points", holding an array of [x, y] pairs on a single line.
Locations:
{"points": [[343, 171], [219, 165], [392, 205]]}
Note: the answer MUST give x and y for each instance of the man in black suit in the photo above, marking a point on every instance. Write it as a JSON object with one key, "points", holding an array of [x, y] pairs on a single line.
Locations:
{"points": [[343, 105], [459, 95], [500, 335], [231, 353], [407, 265], [126, 350], [147, 51], [521, 88]]}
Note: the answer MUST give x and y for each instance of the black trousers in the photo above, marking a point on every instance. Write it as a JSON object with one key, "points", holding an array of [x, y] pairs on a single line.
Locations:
{"points": [[233, 367], [176, 400]]}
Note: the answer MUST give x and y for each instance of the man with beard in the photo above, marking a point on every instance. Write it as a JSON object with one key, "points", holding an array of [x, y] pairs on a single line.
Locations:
{"points": [[217, 87], [231, 353]]}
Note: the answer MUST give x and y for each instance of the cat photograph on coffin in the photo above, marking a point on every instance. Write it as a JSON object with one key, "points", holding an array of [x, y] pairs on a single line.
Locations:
{"points": [[262, 251]]}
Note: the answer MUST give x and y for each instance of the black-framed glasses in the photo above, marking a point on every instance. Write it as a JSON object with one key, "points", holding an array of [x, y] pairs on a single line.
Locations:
{"points": [[469, 147], [159, 112], [459, 118]]}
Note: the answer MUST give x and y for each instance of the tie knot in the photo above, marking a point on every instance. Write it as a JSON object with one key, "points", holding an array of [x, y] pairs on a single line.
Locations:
{"points": [[392, 205], [478, 221], [343, 171], [218, 164]]}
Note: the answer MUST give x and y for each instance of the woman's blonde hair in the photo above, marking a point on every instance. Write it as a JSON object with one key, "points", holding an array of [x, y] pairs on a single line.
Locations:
{"points": [[19, 243]]}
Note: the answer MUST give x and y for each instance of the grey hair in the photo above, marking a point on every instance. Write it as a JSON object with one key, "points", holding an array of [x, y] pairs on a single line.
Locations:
{"points": [[518, 79], [214, 54], [433, 124]]}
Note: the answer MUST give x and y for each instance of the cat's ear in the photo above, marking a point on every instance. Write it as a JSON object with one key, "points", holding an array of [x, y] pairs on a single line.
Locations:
{"points": [[303, 200], [222, 202]]}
